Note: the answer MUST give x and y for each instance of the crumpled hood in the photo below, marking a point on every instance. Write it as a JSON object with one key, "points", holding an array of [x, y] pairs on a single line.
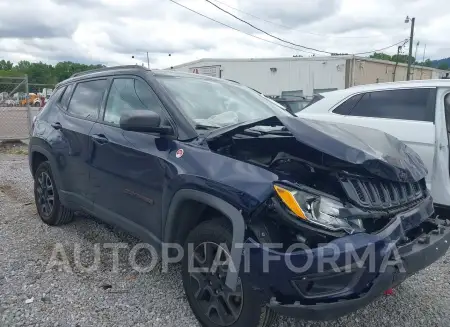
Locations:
{"points": [[379, 153]]}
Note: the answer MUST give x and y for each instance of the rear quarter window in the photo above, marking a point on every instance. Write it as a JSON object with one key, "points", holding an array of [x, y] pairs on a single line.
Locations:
{"points": [[66, 96], [346, 107]]}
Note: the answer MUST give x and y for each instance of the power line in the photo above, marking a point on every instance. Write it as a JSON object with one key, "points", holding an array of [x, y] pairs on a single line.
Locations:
{"points": [[372, 51], [238, 30], [280, 39], [290, 27], [262, 31], [279, 44]]}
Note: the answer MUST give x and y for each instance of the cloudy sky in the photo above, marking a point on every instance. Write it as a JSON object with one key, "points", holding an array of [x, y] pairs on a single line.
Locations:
{"points": [[112, 31]]}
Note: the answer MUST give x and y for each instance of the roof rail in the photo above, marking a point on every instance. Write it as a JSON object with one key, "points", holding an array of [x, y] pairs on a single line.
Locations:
{"points": [[107, 69], [230, 80]]}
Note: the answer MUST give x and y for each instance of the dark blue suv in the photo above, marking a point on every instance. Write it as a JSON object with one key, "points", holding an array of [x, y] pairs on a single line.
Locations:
{"points": [[275, 214]]}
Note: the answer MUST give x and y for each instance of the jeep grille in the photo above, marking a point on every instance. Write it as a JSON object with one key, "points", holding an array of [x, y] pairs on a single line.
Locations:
{"points": [[380, 195]]}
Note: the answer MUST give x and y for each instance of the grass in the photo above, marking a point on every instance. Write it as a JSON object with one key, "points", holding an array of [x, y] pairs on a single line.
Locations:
{"points": [[13, 147]]}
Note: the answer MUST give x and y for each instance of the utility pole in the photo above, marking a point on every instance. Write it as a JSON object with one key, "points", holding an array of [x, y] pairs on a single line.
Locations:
{"points": [[415, 58], [423, 61], [411, 39], [396, 62], [148, 61]]}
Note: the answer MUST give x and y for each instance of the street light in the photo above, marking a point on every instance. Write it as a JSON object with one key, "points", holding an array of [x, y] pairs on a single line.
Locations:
{"points": [[411, 37], [148, 60]]}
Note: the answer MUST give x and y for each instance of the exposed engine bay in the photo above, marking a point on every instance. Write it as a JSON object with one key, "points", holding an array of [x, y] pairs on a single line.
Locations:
{"points": [[281, 154], [371, 188]]}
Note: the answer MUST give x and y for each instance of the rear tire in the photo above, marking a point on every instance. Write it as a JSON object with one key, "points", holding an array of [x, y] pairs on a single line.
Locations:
{"points": [[242, 308], [50, 209]]}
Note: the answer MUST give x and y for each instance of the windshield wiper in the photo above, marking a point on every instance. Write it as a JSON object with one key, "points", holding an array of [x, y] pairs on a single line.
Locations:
{"points": [[268, 130], [205, 127]]}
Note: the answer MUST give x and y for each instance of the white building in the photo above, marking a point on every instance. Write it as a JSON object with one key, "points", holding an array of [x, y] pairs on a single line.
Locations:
{"points": [[306, 75]]}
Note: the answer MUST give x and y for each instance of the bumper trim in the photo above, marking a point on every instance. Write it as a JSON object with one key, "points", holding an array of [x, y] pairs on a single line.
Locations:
{"points": [[414, 257], [329, 311]]}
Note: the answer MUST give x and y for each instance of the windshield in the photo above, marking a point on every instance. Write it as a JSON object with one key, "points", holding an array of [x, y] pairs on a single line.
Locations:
{"points": [[213, 104]]}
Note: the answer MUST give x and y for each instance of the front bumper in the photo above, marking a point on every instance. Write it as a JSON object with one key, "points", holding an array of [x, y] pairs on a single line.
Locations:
{"points": [[414, 257], [411, 242]]}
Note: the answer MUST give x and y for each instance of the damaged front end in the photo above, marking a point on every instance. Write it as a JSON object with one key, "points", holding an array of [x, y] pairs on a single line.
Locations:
{"points": [[333, 179], [341, 186]]}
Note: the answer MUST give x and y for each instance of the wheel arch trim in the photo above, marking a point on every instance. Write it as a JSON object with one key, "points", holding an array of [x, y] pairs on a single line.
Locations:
{"points": [[229, 211], [37, 148]]}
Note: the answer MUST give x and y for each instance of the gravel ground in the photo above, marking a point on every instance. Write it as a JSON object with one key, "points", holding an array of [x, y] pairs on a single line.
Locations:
{"points": [[32, 295]]}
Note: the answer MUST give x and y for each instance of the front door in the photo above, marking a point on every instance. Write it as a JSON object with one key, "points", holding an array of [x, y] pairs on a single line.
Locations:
{"points": [[128, 168]]}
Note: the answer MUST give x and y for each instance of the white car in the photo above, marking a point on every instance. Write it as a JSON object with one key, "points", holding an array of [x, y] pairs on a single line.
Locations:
{"points": [[416, 112]]}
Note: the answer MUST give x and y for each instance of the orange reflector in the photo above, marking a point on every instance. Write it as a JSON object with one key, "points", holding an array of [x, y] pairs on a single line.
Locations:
{"points": [[289, 201]]}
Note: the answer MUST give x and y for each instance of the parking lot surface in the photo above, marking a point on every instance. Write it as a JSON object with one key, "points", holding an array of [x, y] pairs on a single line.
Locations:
{"points": [[31, 294]]}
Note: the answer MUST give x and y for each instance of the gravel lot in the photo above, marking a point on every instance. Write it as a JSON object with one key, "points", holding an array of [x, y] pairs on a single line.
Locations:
{"points": [[127, 298]]}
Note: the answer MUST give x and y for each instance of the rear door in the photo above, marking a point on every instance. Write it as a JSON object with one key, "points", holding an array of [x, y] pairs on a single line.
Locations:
{"points": [[79, 109], [129, 168], [407, 114]]}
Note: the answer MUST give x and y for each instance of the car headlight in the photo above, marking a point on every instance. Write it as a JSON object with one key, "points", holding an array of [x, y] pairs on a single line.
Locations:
{"points": [[318, 209]]}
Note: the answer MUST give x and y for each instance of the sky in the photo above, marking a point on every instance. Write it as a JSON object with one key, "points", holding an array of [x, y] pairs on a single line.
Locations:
{"points": [[111, 32]]}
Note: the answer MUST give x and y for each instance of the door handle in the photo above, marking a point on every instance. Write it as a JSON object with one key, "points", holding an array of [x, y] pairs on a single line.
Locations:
{"points": [[56, 125], [99, 139]]}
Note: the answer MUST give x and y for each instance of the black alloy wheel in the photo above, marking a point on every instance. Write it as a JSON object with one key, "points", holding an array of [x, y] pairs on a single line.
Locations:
{"points": [[45, 198], [209, 270]]}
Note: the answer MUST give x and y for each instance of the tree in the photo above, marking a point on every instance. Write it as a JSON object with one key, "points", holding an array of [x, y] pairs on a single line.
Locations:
{"points": [[402, 58], [426, 63], [443, 66], [6, 65], [41, 75], [381, 56]]}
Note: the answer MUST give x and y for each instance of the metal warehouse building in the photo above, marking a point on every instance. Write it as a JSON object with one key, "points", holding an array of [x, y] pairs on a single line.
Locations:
{"points": [[306, 76]]}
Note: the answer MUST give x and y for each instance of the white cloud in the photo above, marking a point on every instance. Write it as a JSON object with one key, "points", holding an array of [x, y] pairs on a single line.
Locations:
{"points": [[111, 31]]}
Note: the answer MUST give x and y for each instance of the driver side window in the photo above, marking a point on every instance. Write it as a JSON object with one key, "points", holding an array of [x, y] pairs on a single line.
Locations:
{"points": [[129, 94]]}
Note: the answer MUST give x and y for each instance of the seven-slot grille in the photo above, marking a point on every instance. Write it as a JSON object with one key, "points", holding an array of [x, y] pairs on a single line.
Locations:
{"points": [[376, 194]]}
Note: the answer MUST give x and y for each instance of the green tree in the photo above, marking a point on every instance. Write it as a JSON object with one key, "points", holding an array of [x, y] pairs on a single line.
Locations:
{"points": [[403, 58], [426, 63], [6, 65], [42, 75], [443, 65], [381, 56]]}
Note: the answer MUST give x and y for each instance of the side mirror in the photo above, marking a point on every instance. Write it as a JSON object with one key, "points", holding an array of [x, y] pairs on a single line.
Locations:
{"points": [[143, 121]]}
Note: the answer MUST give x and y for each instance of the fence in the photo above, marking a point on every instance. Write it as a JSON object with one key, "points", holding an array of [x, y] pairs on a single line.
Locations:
{"points": [[17, 108]]}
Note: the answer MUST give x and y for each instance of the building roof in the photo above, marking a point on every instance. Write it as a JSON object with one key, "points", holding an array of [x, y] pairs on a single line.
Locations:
{"points": [[322, 58]]}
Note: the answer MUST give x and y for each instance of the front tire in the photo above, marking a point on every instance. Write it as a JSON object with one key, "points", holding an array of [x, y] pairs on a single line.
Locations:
{"points": [[212, 302], [50, 209]]}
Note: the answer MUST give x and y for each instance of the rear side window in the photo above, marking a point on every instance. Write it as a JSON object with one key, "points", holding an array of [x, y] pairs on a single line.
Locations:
{"points": [[346, 107], [87, 98], [406, 104], [66, 96]]}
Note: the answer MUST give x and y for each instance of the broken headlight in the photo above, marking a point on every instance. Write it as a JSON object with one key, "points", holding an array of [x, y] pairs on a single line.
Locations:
{"points": [[318, 209]]}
